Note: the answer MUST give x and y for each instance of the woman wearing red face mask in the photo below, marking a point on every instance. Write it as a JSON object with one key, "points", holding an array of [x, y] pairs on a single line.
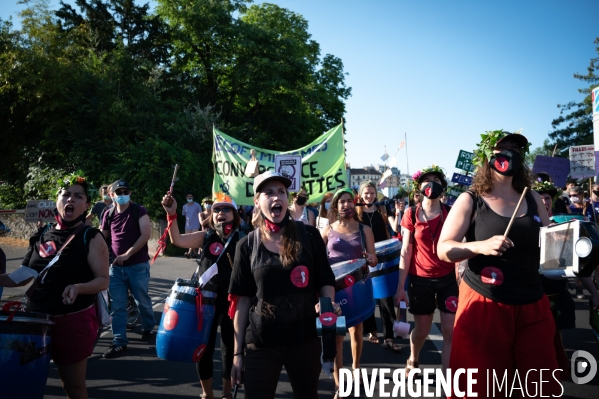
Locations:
{"points": [[432, 282], [503, 323]]}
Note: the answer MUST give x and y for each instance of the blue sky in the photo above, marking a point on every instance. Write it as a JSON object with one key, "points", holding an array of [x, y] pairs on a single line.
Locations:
{"points": [[443, 72]]}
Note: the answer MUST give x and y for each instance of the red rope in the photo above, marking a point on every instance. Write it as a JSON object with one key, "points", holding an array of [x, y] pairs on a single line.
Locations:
{"points": [[162, 239]]}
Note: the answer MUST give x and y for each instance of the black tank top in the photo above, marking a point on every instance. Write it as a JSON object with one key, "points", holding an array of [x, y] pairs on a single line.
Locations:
{"points": [[71, 268], [376, 223], [219, 283], [512, 278]]}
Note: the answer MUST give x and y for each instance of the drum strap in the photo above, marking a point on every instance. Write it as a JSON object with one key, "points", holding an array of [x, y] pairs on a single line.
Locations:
{"points": [[382, 272], [388, 257], [189, 298]]}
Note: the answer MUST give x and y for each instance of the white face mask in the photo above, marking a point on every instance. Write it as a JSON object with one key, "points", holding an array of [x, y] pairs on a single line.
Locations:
{"points": [[207, 207], [575, 199]]}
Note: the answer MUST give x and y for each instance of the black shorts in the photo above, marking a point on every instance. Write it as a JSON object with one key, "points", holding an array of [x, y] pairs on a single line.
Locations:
{"points": [[426, 294]]}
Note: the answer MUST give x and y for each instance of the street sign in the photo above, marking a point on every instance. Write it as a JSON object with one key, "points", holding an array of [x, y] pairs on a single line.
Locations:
{"points": [[464, 161], [461, 179]]}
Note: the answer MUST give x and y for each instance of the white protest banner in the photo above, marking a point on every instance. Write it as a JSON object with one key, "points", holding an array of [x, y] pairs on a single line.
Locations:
{"points": [[322, 166], [40, 211], [582, 161], [290, 166]]}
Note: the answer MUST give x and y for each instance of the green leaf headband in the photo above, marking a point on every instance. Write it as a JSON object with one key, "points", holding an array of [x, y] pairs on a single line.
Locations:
{"points": [[488, 142], [341, 191], [76, 178]]}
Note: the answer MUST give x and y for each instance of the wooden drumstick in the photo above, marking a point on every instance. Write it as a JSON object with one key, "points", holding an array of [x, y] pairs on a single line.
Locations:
{"points": [[169, 201], [509, 226]]}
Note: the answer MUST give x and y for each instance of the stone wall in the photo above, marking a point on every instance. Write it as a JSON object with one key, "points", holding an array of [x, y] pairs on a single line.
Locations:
{"points": [[21, 230]]}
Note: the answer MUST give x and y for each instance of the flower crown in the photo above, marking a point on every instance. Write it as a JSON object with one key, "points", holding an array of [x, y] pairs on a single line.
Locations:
{"points": [[488, 142], [424, 171], [546, 187], [75, 178]]}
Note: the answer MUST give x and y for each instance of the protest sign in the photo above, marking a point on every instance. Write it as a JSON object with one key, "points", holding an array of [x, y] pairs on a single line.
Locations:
{"points": [[557, 168], [290, 166], [40, 210], [322, 165], [582, 161]]}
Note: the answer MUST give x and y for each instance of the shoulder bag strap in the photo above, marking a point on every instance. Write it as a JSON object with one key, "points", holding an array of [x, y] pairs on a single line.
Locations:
{"points": [[43, 273]]}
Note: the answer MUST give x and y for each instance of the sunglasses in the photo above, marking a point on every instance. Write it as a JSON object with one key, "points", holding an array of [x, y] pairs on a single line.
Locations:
{"points": [[122, 192], [574, 195], [223, 210]]}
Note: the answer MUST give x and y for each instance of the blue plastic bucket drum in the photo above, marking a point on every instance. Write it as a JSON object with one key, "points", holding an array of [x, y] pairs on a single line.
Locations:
{"points": [[353, 290], [385, 275], [25, 340], [186, 322]]}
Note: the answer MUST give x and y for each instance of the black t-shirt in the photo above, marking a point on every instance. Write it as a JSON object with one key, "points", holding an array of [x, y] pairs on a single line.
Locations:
{"points": [[71, 268], [376, 223], [98, 208], [220, 283], [282, 312], [512, 278]]}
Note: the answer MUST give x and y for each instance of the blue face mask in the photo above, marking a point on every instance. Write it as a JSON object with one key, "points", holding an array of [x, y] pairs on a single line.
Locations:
{"points": [[190, 200], [122, 199], [106, 197]]}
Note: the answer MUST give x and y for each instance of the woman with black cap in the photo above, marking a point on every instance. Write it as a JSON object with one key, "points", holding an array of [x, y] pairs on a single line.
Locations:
{"points": [[432, 282], [218, 244], [503, 323], [280, 270]]}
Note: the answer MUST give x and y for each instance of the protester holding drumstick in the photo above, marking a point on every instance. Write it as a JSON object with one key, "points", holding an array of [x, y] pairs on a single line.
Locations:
{"points": [[503, 322], [218, 242]]}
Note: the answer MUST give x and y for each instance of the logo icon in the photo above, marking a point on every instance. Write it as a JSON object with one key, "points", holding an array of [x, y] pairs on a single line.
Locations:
{"points": [[299, 276], [216, 248], [349, 281], [197, 354], [538, 219], [451, 303], [581, 366], [491, 275], [328, 319], [171, 319], [501, 164], [47, 249]]}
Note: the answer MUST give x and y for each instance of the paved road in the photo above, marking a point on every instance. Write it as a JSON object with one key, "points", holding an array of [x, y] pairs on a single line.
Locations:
{"points": [[141, 374]]}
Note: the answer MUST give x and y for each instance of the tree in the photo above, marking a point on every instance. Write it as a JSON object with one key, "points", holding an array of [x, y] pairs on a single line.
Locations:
{"points": [[574, 126], [262, 70]]}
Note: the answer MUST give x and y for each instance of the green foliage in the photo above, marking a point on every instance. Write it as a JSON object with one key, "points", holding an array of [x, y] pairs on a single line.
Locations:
{"points": [[574, 126], [545, 149], [488, 141], [107, 87]]}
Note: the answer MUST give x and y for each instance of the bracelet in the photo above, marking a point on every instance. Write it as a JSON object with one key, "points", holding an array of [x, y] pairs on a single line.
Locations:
{"points": [[238, 354], [171, 217]]}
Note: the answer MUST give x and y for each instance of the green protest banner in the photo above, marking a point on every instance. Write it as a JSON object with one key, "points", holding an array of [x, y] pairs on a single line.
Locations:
{"points": [[323, 165]]}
